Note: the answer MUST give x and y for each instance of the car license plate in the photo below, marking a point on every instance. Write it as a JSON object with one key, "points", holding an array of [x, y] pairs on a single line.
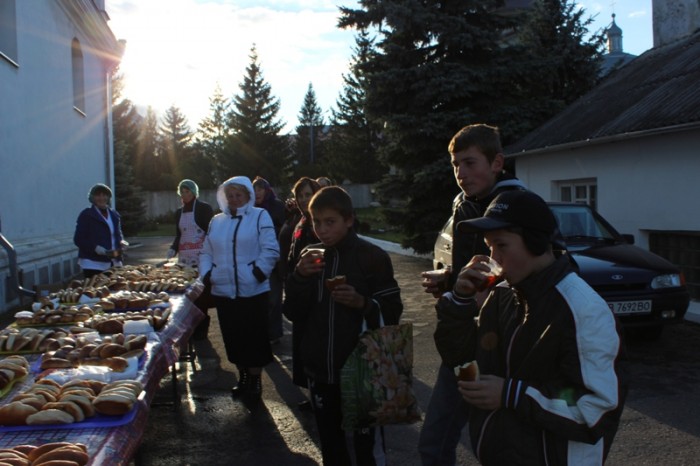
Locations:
{"points": [[630, 307]]}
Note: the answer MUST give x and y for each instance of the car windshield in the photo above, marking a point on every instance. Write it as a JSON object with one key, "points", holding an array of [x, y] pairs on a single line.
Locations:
{"points": [[577, 223]]}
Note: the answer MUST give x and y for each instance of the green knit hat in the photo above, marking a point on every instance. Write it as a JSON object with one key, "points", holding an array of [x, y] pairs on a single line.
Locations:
{"points": [[189, 184], [99, 188]]}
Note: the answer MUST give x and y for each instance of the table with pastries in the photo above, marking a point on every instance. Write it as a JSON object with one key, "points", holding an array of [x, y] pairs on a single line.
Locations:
{"points": [[107, 439]]}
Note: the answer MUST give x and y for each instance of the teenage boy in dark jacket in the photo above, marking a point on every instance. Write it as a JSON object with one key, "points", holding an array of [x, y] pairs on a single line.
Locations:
{"points": [[334, 318], [546, 344], [477, 161]]}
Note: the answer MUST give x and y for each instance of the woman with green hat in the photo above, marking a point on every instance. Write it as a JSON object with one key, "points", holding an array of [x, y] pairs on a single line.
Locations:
{"points": [[191, 224]]}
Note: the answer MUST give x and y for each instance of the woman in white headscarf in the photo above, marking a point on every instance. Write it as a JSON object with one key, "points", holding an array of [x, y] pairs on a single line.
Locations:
{"points": [[239, 253]]}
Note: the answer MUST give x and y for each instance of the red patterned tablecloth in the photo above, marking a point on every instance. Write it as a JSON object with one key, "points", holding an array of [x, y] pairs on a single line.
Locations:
{"points": [[117, 445]]}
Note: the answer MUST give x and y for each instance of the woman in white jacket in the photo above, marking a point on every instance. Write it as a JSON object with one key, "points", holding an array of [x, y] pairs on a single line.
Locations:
{"points": [[239, 253]]}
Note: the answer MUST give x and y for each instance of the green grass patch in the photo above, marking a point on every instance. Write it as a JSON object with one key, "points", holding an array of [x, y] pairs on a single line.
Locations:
{"points": [[157, 229], [374, 224]]}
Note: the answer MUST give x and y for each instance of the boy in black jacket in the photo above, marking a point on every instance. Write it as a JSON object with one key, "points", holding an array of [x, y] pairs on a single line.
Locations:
{"points": [[547, 345], [333, 318]]}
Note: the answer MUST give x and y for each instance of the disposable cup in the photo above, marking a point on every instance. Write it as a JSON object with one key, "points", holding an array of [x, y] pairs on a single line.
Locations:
{"points": [[491, 277], [439, 277]]}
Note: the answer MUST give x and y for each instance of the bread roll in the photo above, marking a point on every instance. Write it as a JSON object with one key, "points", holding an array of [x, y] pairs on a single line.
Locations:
{"points": [[24, 449], [468, 372], [83, 402], [110, 326], [56, 463], [112, 404], [19, 371], [50, 416], [41, 449], [56, 363], [110, 350], [331, 283], [71, 453], [16, 413]]}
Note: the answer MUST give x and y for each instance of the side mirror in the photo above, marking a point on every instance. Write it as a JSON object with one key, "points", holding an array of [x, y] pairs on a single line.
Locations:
{"points": [[629, 239]]}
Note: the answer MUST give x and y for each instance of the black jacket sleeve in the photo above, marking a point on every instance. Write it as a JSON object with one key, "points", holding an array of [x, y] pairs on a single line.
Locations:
{"points": [[456, 331]]}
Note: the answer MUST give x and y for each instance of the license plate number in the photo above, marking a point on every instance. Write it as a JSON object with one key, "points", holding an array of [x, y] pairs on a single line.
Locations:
{"points": [[630, 307]]}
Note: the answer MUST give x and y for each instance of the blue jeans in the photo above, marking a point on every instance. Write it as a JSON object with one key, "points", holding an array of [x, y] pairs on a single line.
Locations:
{"points": [[446, 416]]}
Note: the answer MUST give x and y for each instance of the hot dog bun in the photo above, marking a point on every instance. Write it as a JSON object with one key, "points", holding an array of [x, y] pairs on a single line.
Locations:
{"points": [[468, 372]]}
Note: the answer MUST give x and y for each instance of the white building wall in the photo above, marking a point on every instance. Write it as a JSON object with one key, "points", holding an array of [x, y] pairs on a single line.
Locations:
{"points": [[643, 184], [50, 153]]}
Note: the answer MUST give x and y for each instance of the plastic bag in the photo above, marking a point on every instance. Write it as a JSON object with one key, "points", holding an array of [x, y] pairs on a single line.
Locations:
{"points": [[376, 381]]}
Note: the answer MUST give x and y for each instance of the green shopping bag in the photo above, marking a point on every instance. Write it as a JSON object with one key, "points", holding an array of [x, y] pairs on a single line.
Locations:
{"points": [[376, 381]]}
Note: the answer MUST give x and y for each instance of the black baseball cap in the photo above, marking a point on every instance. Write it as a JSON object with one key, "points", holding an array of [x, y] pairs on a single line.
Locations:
{"points": [[516, 208]]}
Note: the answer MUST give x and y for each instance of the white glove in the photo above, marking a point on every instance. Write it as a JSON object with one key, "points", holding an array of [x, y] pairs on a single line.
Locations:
{"points": [[124, 244], [171, 253], [100, 250]]}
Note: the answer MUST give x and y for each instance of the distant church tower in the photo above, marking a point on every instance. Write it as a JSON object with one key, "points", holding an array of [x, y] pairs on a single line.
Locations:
{"points": [[615, 57]]}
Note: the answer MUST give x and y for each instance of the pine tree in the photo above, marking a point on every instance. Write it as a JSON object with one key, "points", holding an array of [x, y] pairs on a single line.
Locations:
{"points": [[148, 162], [430, 76], [175, 142], [125, 129], [439, 66], [352, 148], [256, 146], [309, 140], [212, 135], [128, 196]]}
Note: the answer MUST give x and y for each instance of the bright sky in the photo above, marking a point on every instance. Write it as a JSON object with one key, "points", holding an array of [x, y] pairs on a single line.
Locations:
{"points": [[178, 50]]}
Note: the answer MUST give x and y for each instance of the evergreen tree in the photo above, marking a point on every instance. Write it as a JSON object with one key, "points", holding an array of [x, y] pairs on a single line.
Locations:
{"points": [[431, 75], [256, 146], [148, 162], [211, 138], [125, 129], [439, 66], [309, 140], [128, 196], [175, 143], [352, 148], [562, 64]]}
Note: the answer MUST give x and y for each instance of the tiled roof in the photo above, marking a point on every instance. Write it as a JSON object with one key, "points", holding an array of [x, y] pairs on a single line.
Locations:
{"points": [[658, 89]]}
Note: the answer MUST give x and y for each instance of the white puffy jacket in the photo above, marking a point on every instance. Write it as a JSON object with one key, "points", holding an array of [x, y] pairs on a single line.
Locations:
{"points": [[236, 245]]}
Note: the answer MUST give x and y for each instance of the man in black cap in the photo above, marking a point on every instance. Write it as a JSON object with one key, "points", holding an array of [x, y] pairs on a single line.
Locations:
{"points": [[547, 345]]}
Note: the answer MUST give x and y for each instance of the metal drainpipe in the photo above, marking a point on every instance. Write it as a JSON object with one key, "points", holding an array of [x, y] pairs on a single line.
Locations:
{"points": [[12, 260]]}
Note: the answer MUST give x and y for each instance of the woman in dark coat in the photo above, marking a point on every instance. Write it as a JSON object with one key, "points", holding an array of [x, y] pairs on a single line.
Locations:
{"points": [[98, 233], [302, 235]]}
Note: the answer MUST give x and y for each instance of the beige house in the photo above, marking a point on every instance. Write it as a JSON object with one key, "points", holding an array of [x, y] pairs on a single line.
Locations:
{"points": [[56, 59], [631, 146]]}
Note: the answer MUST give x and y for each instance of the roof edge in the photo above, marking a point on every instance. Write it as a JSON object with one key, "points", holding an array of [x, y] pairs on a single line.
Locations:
{"points": [[608, 139]]}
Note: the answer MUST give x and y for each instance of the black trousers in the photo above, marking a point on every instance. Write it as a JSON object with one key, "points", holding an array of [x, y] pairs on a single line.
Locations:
{"points": [[243, 324], [367, 444]]}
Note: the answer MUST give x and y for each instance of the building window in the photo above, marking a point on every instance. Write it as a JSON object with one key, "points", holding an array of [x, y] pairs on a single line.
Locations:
{"points": [[579, 191], [8, 31], [78, 77]]}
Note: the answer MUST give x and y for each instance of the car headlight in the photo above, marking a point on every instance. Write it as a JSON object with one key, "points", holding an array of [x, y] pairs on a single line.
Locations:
{"points": [[671, 280]]}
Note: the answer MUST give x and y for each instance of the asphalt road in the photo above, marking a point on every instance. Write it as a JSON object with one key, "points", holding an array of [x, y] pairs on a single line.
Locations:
{"points": [[203, 425]]}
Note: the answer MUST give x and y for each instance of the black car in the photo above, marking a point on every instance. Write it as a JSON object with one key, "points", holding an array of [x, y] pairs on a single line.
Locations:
{"points": [[644, 290]]}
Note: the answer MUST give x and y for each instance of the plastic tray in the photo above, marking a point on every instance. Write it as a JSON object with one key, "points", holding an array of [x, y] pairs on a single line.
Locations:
{"points": [[97, 421]]}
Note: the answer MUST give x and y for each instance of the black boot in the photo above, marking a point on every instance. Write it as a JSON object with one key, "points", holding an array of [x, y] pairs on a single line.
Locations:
{"points": [[242, 387], [255, 385]]}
